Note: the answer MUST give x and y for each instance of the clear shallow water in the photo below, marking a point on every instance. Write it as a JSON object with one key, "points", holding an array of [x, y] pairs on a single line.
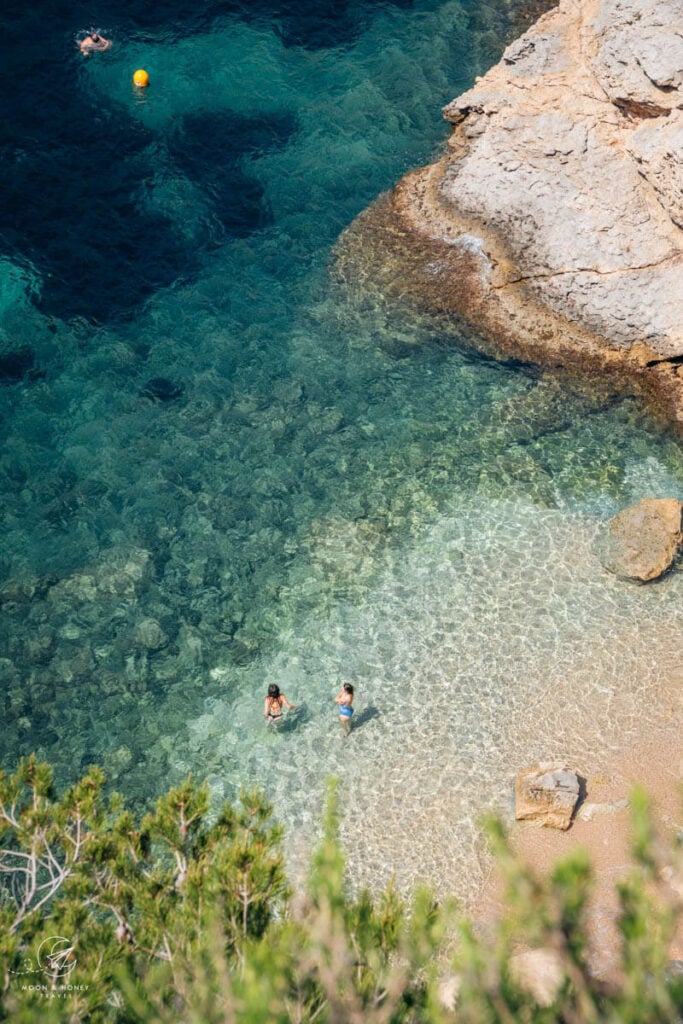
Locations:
{"points": [[331, 491]]}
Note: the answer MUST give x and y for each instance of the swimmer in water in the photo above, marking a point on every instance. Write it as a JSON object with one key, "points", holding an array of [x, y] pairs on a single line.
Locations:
{"points": [[345, 699], [274, 703], [92, 42]]}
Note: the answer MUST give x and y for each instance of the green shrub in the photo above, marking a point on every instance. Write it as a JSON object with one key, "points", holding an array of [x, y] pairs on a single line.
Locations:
{"points": [[184, 917]]}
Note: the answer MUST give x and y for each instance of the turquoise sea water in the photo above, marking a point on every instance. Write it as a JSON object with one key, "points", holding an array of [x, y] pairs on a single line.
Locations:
{"points": [[320, 488]]}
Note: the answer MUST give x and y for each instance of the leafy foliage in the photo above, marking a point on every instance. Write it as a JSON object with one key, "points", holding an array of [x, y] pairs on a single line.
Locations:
{"points": [[188, 917], [132, 897]]}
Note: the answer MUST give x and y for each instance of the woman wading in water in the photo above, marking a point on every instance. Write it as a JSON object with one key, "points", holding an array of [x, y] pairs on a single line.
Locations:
{"points": [[274, 703], [345, 700]]}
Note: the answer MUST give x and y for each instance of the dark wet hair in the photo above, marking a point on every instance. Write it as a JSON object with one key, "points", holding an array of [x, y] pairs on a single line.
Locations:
{"points": [[273, 690], [348, 688], [94, 36]]}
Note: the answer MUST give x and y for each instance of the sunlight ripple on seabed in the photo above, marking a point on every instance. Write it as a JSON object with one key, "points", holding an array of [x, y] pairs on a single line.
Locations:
{"points": [[495, 640], [220, 470]]}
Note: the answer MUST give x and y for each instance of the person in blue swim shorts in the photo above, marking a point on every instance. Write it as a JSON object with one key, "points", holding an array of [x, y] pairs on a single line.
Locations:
{"points": [[345, 701]]}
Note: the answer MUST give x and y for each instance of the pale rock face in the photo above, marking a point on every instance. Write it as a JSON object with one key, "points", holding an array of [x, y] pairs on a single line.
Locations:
{"points": [[574, 161], [565, 175], [640, 50], [657, 148]]}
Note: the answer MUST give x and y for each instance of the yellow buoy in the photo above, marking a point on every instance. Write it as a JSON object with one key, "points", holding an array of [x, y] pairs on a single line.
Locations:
{"points": [[141, 78]]}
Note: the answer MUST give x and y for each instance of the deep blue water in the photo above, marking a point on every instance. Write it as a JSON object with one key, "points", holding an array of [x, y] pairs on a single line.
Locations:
{"points": [[73, 161], [211, 457]]}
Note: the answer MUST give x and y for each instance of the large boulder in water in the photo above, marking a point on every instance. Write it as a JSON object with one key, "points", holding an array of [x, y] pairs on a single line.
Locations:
{"points": [[643, 541], [547, 794], [553, 226]]}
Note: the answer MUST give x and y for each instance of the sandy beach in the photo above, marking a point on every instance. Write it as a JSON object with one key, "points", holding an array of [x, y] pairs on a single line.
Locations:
{"points": [[656, 763]]}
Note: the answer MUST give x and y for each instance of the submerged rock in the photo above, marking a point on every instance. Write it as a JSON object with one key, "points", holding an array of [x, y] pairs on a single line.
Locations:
{"points": [[553, 227], [161, 389], [547, 794], [149, 635], [19, 365], [643, 541]]}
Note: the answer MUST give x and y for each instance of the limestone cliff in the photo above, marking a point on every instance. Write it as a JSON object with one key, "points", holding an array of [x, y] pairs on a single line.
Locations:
{"points": [[554, 223]]}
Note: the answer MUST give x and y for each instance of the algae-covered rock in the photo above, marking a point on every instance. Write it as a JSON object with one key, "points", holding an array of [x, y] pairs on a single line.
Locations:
{"points": [[149, 635]]}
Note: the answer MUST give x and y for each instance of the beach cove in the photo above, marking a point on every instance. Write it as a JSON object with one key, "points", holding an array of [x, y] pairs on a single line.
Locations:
{"points": [[221, 469]]}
